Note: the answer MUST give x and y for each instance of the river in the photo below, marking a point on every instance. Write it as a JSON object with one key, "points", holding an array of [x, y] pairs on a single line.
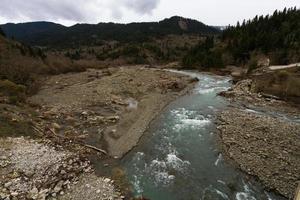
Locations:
{"points": [[178, 159]]}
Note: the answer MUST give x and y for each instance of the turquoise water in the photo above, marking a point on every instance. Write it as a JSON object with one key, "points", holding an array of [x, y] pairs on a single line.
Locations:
{"points": [[178, 158]]}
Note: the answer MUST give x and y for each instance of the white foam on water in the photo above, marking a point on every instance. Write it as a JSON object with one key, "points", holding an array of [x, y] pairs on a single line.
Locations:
{"points": [[163, 178], [222, 182], [157, 164], [218, 159], [210, 189], [211, 107], [159, 169], [268, 196], [205, 91], [244, 196], [188, 119], [176, 163], [137, 185], [196, 122], [139, 155], [246, 187], [223, 195]]}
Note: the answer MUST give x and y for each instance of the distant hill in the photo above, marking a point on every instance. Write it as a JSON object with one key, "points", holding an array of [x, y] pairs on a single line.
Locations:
{"points": [[56, 35]]}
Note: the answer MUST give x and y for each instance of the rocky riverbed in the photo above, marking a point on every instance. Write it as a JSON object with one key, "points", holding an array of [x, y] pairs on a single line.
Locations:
{"points": [[262, 144], [73, 116], [108, 108], [36, 169]]}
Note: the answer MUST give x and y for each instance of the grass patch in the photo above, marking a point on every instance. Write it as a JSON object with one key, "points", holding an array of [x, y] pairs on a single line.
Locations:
{"points": [[283, 83], [10, 128], [15, 92]]}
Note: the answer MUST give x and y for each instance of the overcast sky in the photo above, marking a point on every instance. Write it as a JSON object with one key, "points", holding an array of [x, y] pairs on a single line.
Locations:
{"points": [[69, 12]]}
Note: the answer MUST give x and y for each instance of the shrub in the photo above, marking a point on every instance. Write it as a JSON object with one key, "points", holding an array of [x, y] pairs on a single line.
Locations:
{"points": [[15, 92], [252, 64], [282, 76], [293, 85], [2, 32]]}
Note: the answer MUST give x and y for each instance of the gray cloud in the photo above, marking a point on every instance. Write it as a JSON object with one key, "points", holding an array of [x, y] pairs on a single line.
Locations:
{"points": [[142, 6], [69, 12], [72, 10], [39, 9]]}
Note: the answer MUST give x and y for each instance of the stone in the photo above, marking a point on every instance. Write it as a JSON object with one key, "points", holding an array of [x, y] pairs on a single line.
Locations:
{"points": [[56, 126], [14, 194], [58, 187], [33, 193], [3, 157], [8, 184], [107, 180], [84, 113]]}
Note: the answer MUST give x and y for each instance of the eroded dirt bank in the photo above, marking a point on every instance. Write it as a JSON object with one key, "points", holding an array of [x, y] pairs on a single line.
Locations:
{"points": [[97, 112], [263, 144]]}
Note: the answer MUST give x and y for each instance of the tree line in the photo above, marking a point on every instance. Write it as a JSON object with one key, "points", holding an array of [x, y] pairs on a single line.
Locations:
{"points": [[276, 36]]}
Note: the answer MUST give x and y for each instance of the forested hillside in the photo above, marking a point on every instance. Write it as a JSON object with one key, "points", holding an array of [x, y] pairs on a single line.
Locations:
{"points": [[58, 36], [21, 66], [276, 37], [1, 32]]}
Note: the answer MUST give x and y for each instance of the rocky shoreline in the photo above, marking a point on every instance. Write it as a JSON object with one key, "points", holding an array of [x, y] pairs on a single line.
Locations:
{"points": [[37, 169], [263, 145]]}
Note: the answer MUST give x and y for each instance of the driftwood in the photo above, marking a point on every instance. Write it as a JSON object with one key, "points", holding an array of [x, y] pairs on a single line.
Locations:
{"points": [[269, 96], [37, 129], [95, 148]]}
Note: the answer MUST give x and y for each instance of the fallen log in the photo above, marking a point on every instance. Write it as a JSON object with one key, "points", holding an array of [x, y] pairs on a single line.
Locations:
{"points": [[269, 96], [95, 148], [37, 129]]}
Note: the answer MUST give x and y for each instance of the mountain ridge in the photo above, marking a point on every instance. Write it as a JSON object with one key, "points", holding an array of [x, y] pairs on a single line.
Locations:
{"points": [[52, 34]]}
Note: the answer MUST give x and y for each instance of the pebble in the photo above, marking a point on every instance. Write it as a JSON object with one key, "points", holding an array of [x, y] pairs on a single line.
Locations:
{"points": [[14, 194], [107, 180], [56, 126], [8, 184]]}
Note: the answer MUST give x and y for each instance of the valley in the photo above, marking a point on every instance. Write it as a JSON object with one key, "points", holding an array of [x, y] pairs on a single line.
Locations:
{"points": [[173, 109]]}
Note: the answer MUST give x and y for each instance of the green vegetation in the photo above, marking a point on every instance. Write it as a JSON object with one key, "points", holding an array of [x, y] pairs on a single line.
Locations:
{"points": [[22, 65], [14, 121], [204, 55], [1, 32], [276, 36], [283, 83], [16, 93], [15, 129]]}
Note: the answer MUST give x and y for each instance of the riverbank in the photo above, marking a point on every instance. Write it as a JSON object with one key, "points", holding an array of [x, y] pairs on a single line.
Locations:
{"points": [[261, 135], [109, 108], [98, 112], [39, 169]]}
